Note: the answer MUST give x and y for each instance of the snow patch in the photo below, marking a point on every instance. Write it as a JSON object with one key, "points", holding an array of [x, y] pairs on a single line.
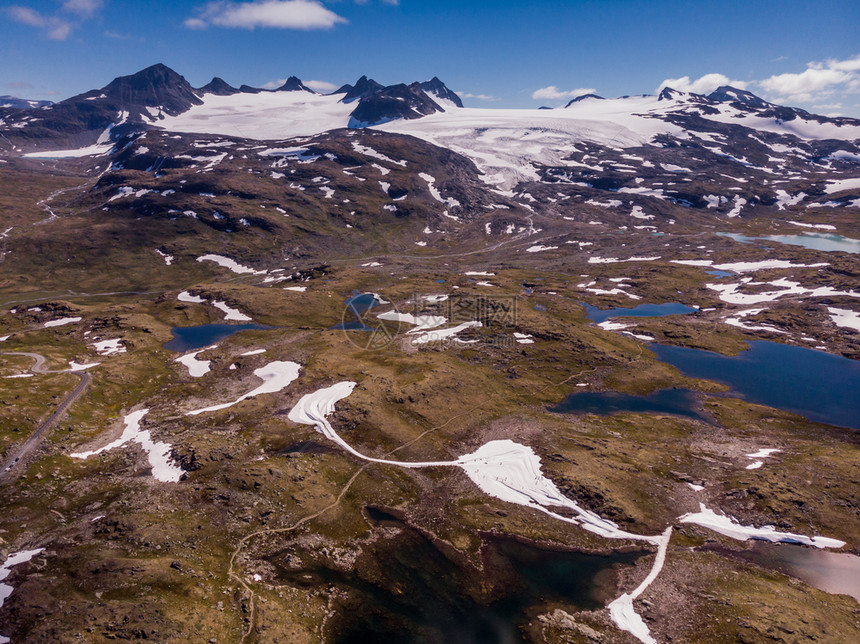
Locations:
{"points": [[61, 322], [230, 264], [196, 368], [275, 376], [157, 453]]}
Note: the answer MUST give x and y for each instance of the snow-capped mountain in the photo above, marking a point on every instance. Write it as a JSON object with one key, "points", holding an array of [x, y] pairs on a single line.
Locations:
{"points": [[21, 103], [153, 96], [729, 152]]}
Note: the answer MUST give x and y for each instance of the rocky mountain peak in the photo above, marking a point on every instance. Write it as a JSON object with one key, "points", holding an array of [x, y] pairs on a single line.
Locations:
{"points": [[437, 88], [293, 84], [393, 102], [582, 98], [157, 85], [219, 87], [729, 94], [669, 94], [364, 86]]}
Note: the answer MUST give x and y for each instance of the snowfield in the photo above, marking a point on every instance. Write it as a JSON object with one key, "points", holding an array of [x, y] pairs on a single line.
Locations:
{"points": [[264, 116]]}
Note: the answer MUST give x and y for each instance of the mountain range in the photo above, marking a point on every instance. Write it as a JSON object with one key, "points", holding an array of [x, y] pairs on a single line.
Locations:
{"points": [[139, 101]]}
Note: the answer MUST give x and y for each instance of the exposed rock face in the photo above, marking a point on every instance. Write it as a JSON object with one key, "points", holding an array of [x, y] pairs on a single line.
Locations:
{"points": [[582, 98], [219, 87], [293, 84], [435, 87], [139, 99], [364, 86], [394, 102]]}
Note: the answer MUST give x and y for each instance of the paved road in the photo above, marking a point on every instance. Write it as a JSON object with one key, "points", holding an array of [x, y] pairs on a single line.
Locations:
{"points": [[23, 450]]}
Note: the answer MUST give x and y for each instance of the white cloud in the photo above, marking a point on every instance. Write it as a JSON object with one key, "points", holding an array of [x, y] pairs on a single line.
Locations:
{"points": [[702, 85], [480, 97], [278, 14], [25, 16], [552, 92], [55, 28], [819, 80], [321, 86], [84, 8], [59, 30]]}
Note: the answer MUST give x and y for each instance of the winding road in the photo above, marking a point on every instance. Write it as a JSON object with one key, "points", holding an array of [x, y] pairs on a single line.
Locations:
{"points": [[23, 450]]}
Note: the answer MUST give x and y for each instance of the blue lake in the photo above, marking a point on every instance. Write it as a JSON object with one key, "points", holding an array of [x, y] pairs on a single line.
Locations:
{"points": [[720, 273], [814, 241], [679, 402], [641, 311], [819, 386], [358, 304], [188, 338]]}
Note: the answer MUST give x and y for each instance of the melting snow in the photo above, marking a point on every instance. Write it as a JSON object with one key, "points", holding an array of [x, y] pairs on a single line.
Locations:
{"points": [[109, 347], [168, 259], [74, 366], [442, 334], [14, 559], [196, 368], [61, 322], [185, 296], [819, 226], [729, 292], [275, 376], [844, 318], [231, 313], [230, 264], [837, 185], [422, 322], [156, 452], [730, 527]]}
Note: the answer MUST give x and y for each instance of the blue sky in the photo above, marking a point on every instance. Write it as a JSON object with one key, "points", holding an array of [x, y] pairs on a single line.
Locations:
{"points": [[497, 53]]}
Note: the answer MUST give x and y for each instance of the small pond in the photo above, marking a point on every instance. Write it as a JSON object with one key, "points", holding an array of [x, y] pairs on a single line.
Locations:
{"points": [[679, 402], [356, 306], [188, 338], [641, 311], [832, 572], [411, 588], [814, 241]]}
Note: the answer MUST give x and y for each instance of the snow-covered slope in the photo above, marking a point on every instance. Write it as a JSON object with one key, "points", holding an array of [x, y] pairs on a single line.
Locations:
{"points": [[267, 115], [504, 143]]}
